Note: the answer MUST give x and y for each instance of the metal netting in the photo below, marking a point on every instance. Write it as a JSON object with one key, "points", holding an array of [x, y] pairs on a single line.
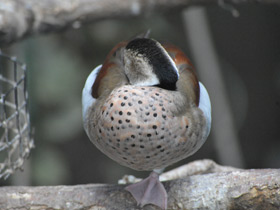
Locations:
{"points": [[15, 133]]}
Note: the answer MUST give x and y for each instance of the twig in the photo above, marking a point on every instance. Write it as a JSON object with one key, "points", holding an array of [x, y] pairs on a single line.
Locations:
{"points": [[20, 18], [244, 189]]}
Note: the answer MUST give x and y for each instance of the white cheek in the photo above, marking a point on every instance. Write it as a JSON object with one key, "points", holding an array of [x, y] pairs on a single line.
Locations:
{"points": [[139, 72], [149, 81], [87, 99], [205, 105]]}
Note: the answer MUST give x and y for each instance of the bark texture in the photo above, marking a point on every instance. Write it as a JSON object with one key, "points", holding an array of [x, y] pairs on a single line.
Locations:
{"points": [[20, 18], [217, 188]]}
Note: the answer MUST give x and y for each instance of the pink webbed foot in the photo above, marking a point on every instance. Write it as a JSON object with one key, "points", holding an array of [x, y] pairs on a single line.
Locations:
{"points": [[149, 191]]}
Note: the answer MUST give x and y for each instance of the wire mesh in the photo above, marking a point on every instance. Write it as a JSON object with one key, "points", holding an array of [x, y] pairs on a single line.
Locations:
{"points": [[15, 133]]}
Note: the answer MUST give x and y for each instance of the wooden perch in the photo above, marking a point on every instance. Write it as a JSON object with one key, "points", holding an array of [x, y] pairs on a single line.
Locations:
{"points": [[19, 18], [217, 187]]}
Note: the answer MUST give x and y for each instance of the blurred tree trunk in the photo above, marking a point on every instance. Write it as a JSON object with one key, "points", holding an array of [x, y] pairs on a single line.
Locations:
{"points": [[215, 187], [20, 18], [223, 130]]}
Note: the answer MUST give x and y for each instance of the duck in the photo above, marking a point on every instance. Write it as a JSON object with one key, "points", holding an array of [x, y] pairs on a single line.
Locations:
{"points": [[145, 108]]}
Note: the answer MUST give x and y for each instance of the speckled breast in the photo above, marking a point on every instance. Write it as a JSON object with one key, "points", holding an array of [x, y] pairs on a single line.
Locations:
{"points": [[137, 129]]}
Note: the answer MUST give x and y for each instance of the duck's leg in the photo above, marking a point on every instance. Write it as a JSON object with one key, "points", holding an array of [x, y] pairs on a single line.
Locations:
{"points": [[149, 191]]}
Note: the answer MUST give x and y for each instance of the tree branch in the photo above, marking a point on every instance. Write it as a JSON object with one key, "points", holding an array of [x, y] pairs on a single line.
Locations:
{"points": [[19, 18], [228, 189]]}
